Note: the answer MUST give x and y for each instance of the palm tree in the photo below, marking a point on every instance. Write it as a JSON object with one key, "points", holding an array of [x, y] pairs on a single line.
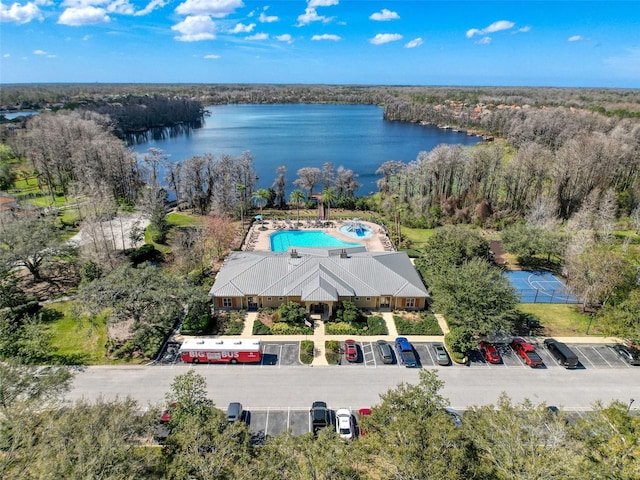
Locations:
{"points": [[297, 198], [328, 198], [260, 198]]}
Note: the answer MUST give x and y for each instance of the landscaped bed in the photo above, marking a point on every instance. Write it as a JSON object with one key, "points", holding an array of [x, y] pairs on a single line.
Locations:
{"points": [[416, 323], [288, 319]]}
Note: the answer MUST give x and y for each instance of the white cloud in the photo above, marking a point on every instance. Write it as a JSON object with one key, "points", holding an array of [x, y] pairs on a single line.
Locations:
{"points": [[151, 6], [212, 57], [242, 28], [195, 28], [123, 7], [524, 29], [576, 38], [51, 56], [384, 15], [321, 3], [326, 36], [494, 27], [257, 36], [18, 13], [416, 42], [213, 8], [6, 55], [264, 18], [310, 15], [39, 52], [86, 37], [285, 37], [78, 16], [381, 38], [483, 41]]}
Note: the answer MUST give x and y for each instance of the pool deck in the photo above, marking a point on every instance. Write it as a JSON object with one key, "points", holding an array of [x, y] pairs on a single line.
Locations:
{"points": [[258, 238]]}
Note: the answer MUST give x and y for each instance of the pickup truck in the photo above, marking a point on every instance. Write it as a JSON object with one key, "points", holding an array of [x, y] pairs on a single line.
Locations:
{"points": [[405, 352], [527, 352]]}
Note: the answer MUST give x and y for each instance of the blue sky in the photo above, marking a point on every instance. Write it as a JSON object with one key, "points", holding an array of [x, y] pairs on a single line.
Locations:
{"points": [[394, 42]]}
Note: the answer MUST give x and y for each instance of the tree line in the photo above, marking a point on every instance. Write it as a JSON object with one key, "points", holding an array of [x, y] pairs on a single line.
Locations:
{"points": [[409, 435]]}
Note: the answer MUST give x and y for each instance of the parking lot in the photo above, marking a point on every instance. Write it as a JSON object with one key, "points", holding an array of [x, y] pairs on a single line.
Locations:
{"points": [[268, 423], [279, 354], [590, 355]]}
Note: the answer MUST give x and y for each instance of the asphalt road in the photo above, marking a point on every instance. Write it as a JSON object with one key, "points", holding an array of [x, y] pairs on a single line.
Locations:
{"points": [[298, 386]]}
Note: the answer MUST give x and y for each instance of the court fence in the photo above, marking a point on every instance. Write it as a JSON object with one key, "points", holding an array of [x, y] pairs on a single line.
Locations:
{"points": [[537, 295]]}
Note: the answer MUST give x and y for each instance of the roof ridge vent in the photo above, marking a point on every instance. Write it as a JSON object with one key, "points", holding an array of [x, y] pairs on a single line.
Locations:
{"points": [[294, 253], [343, 254]]}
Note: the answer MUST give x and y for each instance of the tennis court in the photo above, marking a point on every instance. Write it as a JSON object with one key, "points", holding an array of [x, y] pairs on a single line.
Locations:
{"points": [[539, 287]]}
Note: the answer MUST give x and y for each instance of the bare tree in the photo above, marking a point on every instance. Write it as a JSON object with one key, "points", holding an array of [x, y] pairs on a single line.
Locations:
{"points": [[308, 178], [280, 186]]}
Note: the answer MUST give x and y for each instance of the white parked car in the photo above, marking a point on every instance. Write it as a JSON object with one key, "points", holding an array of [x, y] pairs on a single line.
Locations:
{"points": [[344, 424]]}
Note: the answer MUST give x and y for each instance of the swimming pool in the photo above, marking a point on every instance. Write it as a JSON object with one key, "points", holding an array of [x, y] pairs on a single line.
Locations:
{"points": [[281, 241]]}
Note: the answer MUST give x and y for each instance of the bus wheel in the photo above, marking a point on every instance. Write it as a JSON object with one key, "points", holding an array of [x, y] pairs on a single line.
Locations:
{"points": [[234, 361], [195, 360]]}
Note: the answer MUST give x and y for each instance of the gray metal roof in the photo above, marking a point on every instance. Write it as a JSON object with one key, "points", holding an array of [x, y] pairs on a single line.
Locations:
{"points": [[318, 274]]}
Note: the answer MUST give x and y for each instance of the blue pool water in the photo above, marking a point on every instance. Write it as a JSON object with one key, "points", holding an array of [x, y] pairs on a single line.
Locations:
{"points": [[356, 231], [281, 241]]}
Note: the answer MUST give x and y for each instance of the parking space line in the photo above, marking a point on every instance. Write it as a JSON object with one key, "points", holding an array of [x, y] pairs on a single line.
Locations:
{"points": [[433, 361], [617, 357], [584, 356], [266, 424], [601, 356], [288, 418]]}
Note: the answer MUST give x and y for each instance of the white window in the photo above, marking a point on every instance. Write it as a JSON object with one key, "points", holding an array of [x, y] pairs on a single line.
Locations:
{"points": [[368, 299], [226, 303], [410, 303], [357, 299], [280, 299], [268, 299]]}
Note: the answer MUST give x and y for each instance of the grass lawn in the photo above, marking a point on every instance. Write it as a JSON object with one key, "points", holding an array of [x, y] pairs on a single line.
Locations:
{"points": [[417, 236], [183, 220], [76, 343], [560, 320]]}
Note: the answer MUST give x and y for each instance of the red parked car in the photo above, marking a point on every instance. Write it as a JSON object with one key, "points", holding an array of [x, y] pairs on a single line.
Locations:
{"points": [[489, 352], [527, 352], [350, 350]]}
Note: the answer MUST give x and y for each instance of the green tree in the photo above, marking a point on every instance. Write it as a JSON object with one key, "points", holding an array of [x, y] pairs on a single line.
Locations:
{"points": [[30, 242], [93, 440], [622, 319], [426, 443], [451, 246], [520, 442], [527, 242], [475, 295], [297, 198], [147, 300], [188, 395], [609, 442], [599, 275]]}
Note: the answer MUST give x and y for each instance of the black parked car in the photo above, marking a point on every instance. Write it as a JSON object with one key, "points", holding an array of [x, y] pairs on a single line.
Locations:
{"points": [[630, 355]]}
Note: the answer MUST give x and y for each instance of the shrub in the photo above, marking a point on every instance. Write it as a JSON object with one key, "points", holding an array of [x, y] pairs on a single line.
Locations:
{"points": [[340, 328], [90, 271], [348, 312], [198, 320], [427, 325], [234, 328], [332, 351], [306, 351], [260, 328], [145, 253], [292, 313], [377, 325]]}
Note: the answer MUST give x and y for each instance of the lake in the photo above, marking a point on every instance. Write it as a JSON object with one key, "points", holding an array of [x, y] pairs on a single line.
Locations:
{"points": [[307, 135]]}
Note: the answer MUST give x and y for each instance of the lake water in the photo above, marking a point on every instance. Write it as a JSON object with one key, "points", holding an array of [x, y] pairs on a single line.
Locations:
{"points": [[295, 135]]}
